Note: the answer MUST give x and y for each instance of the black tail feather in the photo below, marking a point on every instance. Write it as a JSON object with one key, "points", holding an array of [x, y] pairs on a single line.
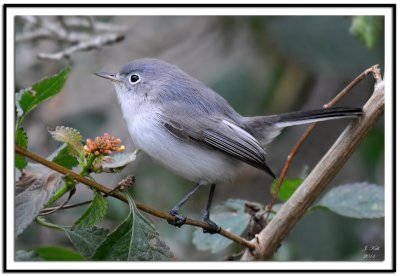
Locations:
{"points": [[335, 112]]}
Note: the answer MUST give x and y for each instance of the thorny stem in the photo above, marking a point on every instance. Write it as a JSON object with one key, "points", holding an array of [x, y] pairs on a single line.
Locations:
{"points": [[121, 196], [372, 70]]}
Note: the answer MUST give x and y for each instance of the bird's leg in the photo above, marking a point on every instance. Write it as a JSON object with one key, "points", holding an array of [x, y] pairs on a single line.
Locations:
{"points": [[206, 217], [179, 220]]}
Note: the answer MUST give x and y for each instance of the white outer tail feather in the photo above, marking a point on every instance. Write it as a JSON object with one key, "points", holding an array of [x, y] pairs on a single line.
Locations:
{"points": [[309, 121]]}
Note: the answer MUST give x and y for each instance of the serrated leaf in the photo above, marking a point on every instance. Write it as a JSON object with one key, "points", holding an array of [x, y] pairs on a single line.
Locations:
{"points": [[135, 239], [71, 137], [21, 139], [358, 200], [52, 253], [22, 255], [231, 216], [94, 213], [289, 186], [86, 240], [63, 157], [117, 162], [33, 190], [367, 29], [20, 162], [29, 98]]}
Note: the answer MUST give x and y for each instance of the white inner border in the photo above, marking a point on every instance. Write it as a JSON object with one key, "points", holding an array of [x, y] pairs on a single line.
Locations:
{"points": [[12, 12]]}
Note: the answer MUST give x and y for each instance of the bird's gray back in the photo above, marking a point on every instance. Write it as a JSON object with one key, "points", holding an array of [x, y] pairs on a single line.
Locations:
{"points": [[179, 90]]}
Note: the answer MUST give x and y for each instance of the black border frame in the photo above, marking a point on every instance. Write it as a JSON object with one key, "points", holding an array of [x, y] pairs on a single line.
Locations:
{"points": [[86, 5]]}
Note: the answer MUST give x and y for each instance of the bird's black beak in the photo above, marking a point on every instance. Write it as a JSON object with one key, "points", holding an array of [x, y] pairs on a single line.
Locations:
{"points": [[108, 76]]}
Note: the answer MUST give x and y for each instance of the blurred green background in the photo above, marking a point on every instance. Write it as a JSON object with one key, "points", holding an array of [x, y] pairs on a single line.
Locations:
{"points": [[261, 65]]}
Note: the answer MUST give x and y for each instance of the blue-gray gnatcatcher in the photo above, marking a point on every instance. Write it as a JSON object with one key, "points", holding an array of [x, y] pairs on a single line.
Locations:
{"points": [[191, 130]]}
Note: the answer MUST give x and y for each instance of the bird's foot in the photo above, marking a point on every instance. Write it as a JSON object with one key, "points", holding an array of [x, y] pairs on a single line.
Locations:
{"points": [[214, 228], [179, 220]]}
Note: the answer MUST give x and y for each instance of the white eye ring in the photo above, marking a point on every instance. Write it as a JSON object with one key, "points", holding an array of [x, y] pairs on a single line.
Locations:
{"points": [[134, 78]]}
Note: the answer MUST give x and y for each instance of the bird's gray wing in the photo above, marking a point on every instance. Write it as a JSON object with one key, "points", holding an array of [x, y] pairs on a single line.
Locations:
{"points": [[220, 134]]}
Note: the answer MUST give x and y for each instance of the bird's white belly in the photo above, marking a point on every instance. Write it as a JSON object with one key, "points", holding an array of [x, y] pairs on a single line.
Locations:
{"points": [[192, 162]]}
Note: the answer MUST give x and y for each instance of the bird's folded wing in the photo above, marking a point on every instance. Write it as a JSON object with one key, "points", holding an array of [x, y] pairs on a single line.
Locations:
{"points": [[222, 135]]}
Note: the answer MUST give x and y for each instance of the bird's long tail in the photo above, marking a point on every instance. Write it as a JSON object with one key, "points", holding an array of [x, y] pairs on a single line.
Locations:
{"points": [[266, 128], [312, 116]]}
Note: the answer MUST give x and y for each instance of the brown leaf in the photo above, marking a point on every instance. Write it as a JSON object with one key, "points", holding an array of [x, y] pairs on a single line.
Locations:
{"points": [[258, 221], [33, 190]]}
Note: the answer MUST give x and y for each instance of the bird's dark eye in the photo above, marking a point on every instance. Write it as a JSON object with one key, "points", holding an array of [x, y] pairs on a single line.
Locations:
{"points": [[134, 78]]}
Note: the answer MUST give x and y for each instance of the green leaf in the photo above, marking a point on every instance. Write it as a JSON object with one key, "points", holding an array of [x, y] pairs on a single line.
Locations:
{"points": [[65, 159], [86, 240], [367, 29], [20, 162], [359, 200], [231, 216], [71, 137], [21, 139], [289, 186], [94, 213], [135, 239], [22, 255], [51, 253], [28, 99]]}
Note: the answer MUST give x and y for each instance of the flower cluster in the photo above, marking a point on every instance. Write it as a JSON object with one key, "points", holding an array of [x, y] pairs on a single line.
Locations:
{"points": [[103, 145]]}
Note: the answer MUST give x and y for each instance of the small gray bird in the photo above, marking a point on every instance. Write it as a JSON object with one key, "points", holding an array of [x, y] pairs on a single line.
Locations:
{"points": [[191, 130]]}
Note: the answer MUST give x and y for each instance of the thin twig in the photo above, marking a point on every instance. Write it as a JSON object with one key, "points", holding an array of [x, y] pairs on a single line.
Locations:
{"points": [[61, 30], [71, 193], [89, 22], [289, 161], [124, 184], [318, 179], [47, 211], [372, 70], [95, 43], [72, 37], [119, 195]]}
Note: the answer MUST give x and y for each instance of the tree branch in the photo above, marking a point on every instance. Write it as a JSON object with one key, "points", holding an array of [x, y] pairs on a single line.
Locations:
{"points": [[293, 210], [119, 195], [372, 70], [94, 43], [61, 29]]}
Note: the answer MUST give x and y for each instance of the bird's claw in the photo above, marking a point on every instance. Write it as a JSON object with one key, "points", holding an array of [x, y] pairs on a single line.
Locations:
{"points": [[178, 221], [214, 227]]}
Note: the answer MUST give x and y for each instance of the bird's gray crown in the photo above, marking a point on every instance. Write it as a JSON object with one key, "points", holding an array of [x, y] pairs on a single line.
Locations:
{"points": [[146, 65]]}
